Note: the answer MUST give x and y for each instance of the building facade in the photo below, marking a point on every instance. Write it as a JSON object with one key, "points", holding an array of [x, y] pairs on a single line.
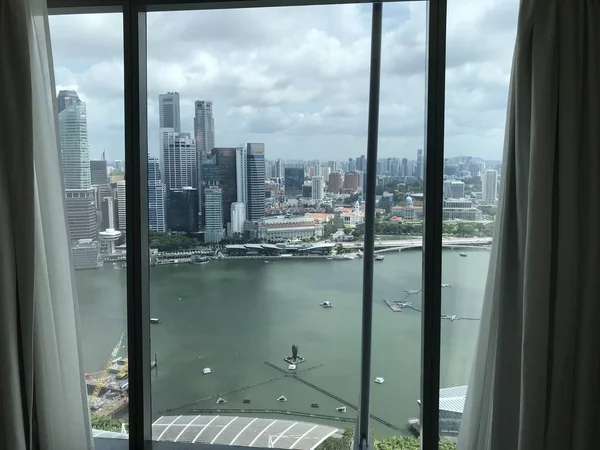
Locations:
{"points": [[213, 211], [293, 180], [183, 210], [157, 220], [454, 189], [335, 182], [419, 166], [204, 127], [82, 219], [318, 187], [85, 254], [226, 161], [74, 146], [178, 160], [122, 206], [255, 174], [98, 173], [490, 186], [238, 217], [168, 111], [351, 181], [281, 229]]}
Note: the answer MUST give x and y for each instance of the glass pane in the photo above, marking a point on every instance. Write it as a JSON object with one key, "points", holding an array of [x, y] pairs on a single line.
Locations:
{"points": [[88, 70], [478, 74], [257, 158]]}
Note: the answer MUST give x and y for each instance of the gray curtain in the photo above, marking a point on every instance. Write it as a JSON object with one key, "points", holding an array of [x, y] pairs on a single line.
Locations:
{"points": [[536, 377], [42, 389]]}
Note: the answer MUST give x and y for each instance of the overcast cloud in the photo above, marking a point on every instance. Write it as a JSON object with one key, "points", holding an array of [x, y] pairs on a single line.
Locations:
{"points": [[297, 78]]}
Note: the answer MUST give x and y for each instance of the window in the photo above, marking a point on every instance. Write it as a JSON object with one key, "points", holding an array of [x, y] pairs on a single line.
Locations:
{"points": [[88, 68], [249, 128]]}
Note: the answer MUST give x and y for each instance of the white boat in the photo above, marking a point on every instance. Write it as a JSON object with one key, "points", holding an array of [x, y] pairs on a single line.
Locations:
{"points": [[154, 320], [206, 370], [341, 409], [379, 380], [446, 285], [221, 400], [379, 257], [292, 367], [326, 305], [282, 399], [267, 262]]}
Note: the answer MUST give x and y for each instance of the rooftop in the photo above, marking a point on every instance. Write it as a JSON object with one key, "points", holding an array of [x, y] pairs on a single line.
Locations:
{"points": [[235, 430]]}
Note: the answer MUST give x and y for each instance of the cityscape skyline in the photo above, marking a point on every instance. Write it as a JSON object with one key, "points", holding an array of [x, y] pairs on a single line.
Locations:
{"points": [[269, 85]]}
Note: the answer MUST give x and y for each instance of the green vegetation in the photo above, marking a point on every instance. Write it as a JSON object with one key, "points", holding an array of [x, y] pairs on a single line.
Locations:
{"points": [[166, 242], [105, 423], [387, 443]]}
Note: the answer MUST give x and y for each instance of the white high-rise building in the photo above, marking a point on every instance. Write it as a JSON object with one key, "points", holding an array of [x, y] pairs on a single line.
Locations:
{"points": [[204, 127], [279, 168], [454, 189], [168, 111], [238, 217], [74, 146], [213, 210], [122, 205], [178, 160], [490, 186], [419, 167], [318, 187], [156, 197]]}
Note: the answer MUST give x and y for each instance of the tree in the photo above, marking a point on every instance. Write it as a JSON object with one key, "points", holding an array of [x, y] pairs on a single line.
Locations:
{"points": [[105, 423]]}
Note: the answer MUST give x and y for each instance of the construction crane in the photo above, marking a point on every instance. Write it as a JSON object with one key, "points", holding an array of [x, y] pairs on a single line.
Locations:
{"points": [[113, 355]]}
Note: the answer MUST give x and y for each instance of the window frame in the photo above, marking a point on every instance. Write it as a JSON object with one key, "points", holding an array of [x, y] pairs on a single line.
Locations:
{"points": [[136, 171]]}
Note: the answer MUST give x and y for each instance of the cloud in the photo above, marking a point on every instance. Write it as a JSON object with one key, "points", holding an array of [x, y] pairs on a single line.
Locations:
{"points": [[297, 78]]}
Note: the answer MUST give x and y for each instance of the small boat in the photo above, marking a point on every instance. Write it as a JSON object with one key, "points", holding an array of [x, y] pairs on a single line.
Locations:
{"points": [[154, 320], [326, 305], [463, 255], [196, 259], [282, 399], [246, 400], [267, 262], [341, 409], [206, 370], [221, 400], [292, 367], [379, 257], [329, 258], [379, 380], [446, 285], [314, 405], [152, 364]]}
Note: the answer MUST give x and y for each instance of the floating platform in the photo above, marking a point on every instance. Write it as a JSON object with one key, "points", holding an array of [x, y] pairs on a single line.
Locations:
{"points": [[292, 360]]}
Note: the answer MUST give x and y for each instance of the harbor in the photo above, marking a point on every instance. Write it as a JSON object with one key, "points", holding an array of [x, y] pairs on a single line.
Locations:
{"points": [[271, 307]]}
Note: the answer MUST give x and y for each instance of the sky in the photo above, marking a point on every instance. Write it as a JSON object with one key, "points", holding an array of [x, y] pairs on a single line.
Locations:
{"points": [[297, 78]]}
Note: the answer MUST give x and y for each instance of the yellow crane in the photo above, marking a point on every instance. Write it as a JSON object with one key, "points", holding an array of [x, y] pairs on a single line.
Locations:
{"points": [[113, 355]]}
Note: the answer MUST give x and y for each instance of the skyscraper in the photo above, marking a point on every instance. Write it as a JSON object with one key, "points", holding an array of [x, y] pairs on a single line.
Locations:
{"points": [[204, 127], [294, 179], [419, 168], [66, 98], [255, 170], [318, 187], [80, 197], [279, 168], [226, 161], [178, 160], [238, 217], [241, 175], [490, 186], [156, 197], [98, 173], [122, 205], [335, 182], [74, 146], [183, 210], [168, 111], [213, 211], [404, 169]]}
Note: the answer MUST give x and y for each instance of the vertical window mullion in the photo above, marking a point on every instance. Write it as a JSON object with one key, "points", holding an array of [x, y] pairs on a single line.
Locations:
{"points": [[432, 238], [136, 182], [362, 440]]}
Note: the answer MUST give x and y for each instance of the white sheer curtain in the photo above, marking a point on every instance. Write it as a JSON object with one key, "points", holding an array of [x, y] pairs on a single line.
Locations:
{"points": [[42, 389], [536, 377]]}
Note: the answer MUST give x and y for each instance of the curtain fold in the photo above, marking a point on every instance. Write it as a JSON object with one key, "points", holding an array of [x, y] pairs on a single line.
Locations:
{"points": [[535, 379], [43, 393]]}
